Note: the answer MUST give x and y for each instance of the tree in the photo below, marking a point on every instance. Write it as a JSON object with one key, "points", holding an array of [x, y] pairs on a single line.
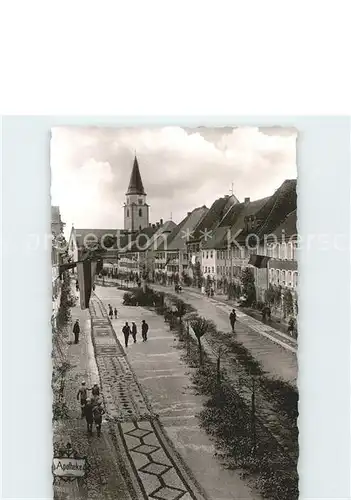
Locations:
{"points": [[269, 295], [248, 283], [208, 281], [181, 309], [288, 304], [200, 327]]}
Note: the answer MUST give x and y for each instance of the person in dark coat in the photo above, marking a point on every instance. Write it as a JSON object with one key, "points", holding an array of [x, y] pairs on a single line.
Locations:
{"points": [[88, 412], [134, 331], [95, 392], [126, 333], [232, 319], [82, 397], [110, 312], [116, 313], [98, 411], [291, 326], [144, 330], [76, 331]]}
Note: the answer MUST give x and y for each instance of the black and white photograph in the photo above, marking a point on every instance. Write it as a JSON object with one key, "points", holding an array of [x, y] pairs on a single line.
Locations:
{"points": [[174, 313]]}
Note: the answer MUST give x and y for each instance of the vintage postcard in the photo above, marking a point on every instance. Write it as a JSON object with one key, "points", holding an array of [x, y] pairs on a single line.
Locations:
{"points": [[174, 313]]}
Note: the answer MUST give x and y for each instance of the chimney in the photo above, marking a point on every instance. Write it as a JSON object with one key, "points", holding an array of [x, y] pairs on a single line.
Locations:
{"points": [[150, 224], [161, 222], [189, 213], [246, 201], [157, 224]]}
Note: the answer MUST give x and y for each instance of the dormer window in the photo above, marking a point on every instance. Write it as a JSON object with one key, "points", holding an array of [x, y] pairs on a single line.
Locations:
{"points": [[140, 201]]}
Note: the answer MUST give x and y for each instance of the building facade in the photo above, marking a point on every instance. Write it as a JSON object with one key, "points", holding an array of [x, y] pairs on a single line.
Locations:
{"points": [[57, 249]]}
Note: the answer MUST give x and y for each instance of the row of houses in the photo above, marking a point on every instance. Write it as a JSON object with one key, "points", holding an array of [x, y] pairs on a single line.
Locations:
{"points": [[213, 244], [56, 260]]}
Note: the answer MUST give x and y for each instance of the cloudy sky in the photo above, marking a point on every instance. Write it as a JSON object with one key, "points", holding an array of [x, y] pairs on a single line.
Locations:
{"points": [[181, 169]]}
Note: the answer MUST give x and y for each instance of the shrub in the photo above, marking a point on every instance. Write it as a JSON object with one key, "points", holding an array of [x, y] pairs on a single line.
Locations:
{"points": [[129, 299]]}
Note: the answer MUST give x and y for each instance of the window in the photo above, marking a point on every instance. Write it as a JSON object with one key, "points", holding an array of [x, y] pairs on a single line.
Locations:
{"points": [[140, 202], [127, 212], [217, 269], [294, 250], [276, 251], [197, 247], [217, 254], [203, 255], [277, 276], [205, 269], [211, 254], [283, 277], [139, 228], [283, 251], [271, 275], [289, 278], [295, 279], [140, 212], [206, 255], [212, 269]]}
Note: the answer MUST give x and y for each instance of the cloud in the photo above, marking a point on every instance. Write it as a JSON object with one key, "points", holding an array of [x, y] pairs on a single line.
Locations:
{"points": [[181, 168]]}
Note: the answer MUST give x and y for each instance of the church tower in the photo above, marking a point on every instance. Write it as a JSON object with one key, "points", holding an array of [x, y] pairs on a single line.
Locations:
{"points": [[136, 210]]}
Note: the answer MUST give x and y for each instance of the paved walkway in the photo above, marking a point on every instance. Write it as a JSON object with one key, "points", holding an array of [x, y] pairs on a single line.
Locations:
{"points": [[165, 380], [276, 360], [105, 479]]}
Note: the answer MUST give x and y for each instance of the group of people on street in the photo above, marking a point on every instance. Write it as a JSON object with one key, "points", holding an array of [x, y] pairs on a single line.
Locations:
{"points": [[132, 331], [91, 408], [112, 312]]}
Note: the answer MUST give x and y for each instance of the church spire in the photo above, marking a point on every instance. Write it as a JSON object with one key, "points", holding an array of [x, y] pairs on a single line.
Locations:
{"points": [[135, 183]]}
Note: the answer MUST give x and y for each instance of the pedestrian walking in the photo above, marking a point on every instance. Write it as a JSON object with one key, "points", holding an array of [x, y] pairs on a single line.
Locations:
{"points": [[110, 313], [232, 319], [291, 326], [76, 331], [82, 397], [134, 331], [116, 313], [208, 292], [126, 333], [95, 392], [98, 411], [212, 292], [144, 330], [88, 413]]}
